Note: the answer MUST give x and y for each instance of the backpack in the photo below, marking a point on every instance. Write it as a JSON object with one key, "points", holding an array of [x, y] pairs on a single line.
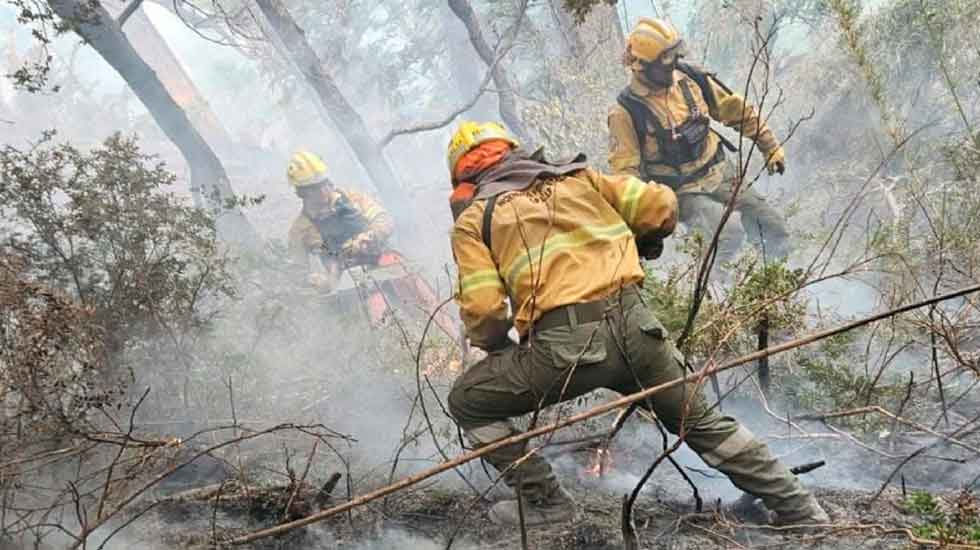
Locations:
{"points": [[639, 113]]}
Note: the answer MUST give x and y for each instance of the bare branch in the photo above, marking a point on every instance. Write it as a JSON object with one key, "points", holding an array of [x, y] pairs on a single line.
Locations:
{"points": [[127, 11], [596, 411]]}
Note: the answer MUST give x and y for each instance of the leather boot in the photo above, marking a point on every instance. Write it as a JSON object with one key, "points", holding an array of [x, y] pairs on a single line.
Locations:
{"points": [[747, 462], [808, 512], [557, 507]]}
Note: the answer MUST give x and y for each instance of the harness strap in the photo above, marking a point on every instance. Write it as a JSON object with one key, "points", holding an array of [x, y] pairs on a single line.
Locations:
{"points": [[488, 222], [674, 182], [692, 106], [641, 116]]}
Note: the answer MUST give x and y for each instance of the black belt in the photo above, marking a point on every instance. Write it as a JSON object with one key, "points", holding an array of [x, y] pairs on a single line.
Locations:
{"points": [[677, 181], [576, 314]]}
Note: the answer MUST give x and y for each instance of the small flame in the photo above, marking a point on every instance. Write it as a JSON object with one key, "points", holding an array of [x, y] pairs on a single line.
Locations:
{"points": [[602, 462]]}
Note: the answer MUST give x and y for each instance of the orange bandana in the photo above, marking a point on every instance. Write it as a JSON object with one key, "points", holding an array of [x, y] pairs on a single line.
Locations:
{"points": [[479, 159]]}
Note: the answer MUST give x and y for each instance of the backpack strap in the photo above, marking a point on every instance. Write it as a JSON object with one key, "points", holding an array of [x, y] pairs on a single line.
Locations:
{"points": [[488, 222], [692, 106], [701, 77], [640, 114]]}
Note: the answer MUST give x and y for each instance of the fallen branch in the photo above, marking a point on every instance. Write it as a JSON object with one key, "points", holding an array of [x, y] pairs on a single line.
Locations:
{"points": [[882, 411], [596, 411]]}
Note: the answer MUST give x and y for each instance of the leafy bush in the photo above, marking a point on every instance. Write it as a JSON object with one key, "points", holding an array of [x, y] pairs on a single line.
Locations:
{"points": [[102, 227], [51, 363], [956, 522]]}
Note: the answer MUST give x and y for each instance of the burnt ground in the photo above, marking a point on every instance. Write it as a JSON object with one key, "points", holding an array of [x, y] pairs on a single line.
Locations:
{"points": [[428, 515], [665, 517]]}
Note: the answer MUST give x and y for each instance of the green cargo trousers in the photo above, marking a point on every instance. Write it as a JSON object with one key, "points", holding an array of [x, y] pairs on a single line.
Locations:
{"points": [[701, 210], [626, 351]]}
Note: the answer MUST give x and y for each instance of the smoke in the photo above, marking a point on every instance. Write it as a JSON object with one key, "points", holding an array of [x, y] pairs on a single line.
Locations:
{"points": [[284, 354]]}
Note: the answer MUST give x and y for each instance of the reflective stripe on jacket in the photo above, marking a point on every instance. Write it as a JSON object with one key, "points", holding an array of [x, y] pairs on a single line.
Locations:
{"points": [[560, 241], [671, 111]]}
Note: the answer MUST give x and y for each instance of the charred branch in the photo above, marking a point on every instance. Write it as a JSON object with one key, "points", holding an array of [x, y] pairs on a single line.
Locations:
{"points": [[596, 411]]}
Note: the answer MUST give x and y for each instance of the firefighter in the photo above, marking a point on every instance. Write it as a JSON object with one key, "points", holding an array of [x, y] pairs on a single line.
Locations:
{"points": [[341, 228], [553, 250], [659, 129]]}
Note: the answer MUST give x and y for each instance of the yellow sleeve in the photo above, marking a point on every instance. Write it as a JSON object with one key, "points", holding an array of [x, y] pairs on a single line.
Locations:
{"points": [[480, 296], [380, 223], [304, 239], [734, 111], [645, 207], [624, 147]]}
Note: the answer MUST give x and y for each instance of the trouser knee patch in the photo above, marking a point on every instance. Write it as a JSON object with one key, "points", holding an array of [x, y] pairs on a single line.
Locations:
{"points": [[731, 447]]}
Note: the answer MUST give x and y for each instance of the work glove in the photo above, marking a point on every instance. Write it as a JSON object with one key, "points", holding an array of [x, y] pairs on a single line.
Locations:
{"points": [[650, 247], [776, 162], [361, 245], [320, 280]]}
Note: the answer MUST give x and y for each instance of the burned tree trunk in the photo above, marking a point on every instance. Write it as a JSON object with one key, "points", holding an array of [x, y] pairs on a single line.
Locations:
{"points": [[338, 109], [151, 46], [506, 97], [94, 24]]}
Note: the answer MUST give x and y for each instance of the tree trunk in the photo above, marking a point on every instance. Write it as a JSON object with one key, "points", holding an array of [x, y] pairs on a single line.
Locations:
{"points": [[153, 48], [570, 39], [99, 29], [464, 65], [506, 98], [335, 105]]}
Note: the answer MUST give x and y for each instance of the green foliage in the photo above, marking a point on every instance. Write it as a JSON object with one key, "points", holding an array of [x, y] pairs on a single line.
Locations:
{"points": [[45, 27], [922, 503], [726, 320], [957, 522], [765, 288], [102, 226]]}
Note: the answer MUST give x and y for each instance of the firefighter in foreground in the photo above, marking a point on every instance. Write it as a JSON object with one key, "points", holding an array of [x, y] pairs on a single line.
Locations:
{"points": [[561, 242], [660, 130]]}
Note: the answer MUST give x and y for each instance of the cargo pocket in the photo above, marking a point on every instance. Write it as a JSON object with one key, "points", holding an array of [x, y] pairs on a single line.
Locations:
{"points": [[653, 328], [567, 347], [497, 372]]}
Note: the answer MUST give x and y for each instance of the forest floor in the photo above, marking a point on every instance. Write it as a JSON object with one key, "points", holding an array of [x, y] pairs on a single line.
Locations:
{"points": [[428, 515]]}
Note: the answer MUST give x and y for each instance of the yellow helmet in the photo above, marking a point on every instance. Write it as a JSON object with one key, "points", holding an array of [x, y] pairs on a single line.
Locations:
{"points": [[305, 169], [471, 134], [651, 38]]}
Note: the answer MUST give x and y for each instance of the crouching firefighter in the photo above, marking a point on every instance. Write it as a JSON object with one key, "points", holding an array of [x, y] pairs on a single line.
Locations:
{"points": [[660, 129], [561, 244], [345, 229]]}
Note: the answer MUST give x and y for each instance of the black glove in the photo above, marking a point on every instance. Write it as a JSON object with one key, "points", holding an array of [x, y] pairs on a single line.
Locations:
{"points": [[650, 247]]}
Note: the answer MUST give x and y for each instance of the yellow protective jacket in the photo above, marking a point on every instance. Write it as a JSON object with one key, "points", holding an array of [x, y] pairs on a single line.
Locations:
{"points": [[560, 241], [348, 215], [671, 111]]}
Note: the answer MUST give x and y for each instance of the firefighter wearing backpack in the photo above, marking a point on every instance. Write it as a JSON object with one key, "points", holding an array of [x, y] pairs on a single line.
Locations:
{"points": [[552, 250], [659, 130]]}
